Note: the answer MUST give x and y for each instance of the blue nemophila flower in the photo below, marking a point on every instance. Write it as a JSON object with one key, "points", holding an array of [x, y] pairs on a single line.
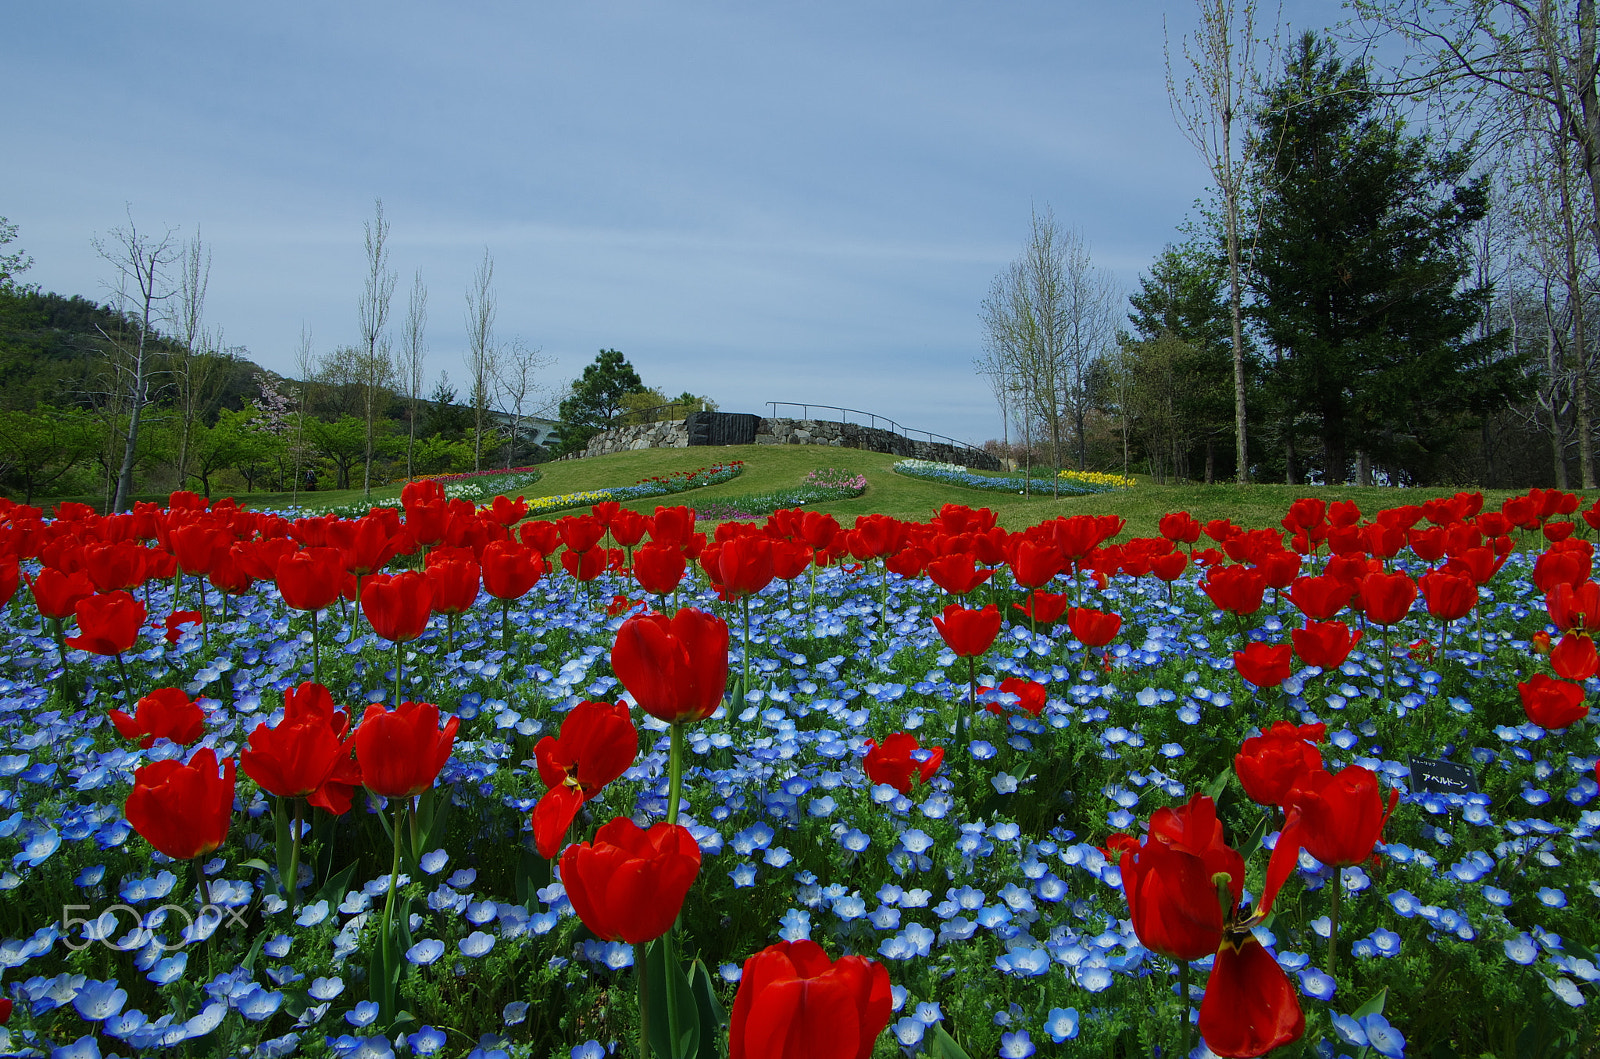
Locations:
{"points": [[278, 947], [98, 1001], [1552, 898], [426, 1041], [1062, 1025], [475, 944], [795, 925], [362, 1014], [325, 988], [1316, 984], [425, 952], [1521, 949], [1565, 990], [1372, 1031], [589, 1050], [259, 1004], [909, 1032], [1016, 1045]]}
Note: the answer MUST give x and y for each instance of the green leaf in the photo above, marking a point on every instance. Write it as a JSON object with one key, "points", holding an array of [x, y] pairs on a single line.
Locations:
{"points": [[256, 864], [713, 1020], [334, 889], [1214, 789], [941, 1045], [1373, 1006], [249, 962], [659, 964], [533, 875]]}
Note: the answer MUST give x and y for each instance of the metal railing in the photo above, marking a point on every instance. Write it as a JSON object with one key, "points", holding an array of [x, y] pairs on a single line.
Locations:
{"points": [[876, 421]]}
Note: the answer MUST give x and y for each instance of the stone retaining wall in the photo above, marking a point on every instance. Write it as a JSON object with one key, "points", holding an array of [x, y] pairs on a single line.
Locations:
{"points": [[675, 435]]}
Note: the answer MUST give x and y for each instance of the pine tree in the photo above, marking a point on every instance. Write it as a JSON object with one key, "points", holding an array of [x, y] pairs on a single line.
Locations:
{"points": [[1360, 270]]}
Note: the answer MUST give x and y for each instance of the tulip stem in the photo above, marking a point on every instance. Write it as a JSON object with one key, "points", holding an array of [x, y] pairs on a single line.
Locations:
{"points": [[1183, 1006], [1333, 920], [386, 959], [316, 656], [674, 773], [744, 655], [399, 660], [127, 687], [291, 885], [505, 624], [642, 976]]}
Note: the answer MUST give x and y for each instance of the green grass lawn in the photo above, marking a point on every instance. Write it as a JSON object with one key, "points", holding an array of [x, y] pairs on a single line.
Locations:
{"points": [[769, 467]]}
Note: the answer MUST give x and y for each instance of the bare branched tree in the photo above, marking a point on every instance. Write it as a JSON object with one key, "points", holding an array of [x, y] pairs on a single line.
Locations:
{"points": [[376, 371], [1225, 59], [481, 351], [305, 366], [144, 288], [516, 378], [413, 359]]}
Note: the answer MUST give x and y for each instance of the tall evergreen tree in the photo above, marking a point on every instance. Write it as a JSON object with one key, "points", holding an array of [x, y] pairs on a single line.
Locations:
{"points": [[1181, 318], [1360, 272]]}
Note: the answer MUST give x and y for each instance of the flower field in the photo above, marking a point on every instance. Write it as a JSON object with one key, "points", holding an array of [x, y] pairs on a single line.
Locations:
{"points": [[444, 780]]}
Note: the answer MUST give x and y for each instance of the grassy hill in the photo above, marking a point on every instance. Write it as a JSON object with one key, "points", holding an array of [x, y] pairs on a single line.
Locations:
{"points": [[770, 467]]}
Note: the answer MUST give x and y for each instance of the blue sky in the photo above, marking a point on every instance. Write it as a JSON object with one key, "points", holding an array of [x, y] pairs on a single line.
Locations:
{"points": [[758, 202]]}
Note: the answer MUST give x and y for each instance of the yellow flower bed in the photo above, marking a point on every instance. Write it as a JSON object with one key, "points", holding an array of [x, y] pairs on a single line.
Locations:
{"points": [[1115, 481]]}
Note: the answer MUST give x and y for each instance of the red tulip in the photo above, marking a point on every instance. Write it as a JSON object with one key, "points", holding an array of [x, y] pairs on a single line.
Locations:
{"points": [[628, 885], [401, 751], [542, 537], [1324, 644], [119, 565], [1180, 527], [195, 545], [627, 527], [742, 565], [909, 562], [584, 566], [677, 668], [58, 594], [398, 607], [310, 579], [182, 810], [1574, 658], [510, 570], [368, 543], [896, 763], [1264, 665], [580, 533], [1031, 696], [1236, 589], [1249, 1007], [675, 525], [968, 632], [165, 713], [793, 1003], [305, 755], [598, 743], [1571, 607], [175, 624], [1168, 880], [790, 559], [453, 585], [1338, 817], [1552, 703], [1035, 564], [957, 574], [1093, 628], [1449, 596], [1045, 608], [505, 511], [108, 624], [1386, 598], [1269, 764], [659, 568]]}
